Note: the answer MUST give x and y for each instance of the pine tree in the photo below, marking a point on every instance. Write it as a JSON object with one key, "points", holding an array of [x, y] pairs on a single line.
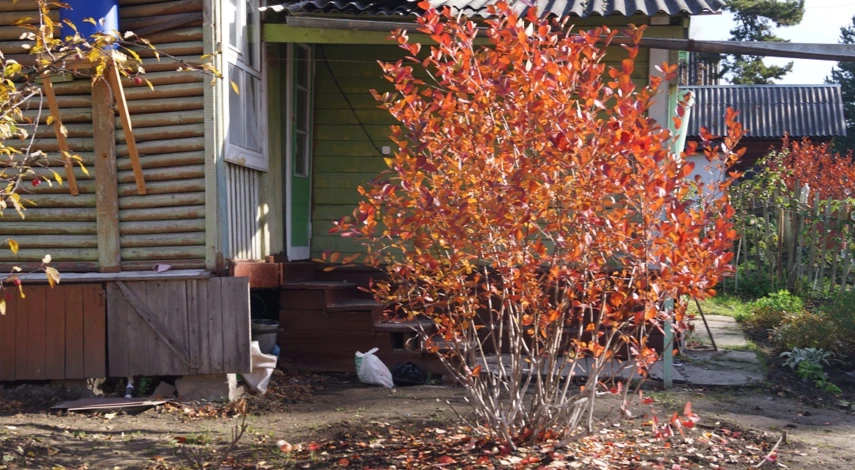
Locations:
{"points": [[844, 75], [755, 21]]}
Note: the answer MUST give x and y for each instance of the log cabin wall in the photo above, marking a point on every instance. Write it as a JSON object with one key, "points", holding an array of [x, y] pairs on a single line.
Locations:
{"points": [[168, 223], [60, 224]]}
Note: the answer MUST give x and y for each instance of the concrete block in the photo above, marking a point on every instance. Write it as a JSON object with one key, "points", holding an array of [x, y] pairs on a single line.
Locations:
{"points": [[163, 390], [215, 387]]}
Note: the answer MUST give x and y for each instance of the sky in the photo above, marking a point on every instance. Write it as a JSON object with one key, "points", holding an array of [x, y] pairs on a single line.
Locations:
{"points": [[821, 24]]}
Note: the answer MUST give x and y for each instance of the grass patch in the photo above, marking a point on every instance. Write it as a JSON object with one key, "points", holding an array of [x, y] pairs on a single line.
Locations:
{"points": [[724, 304]]}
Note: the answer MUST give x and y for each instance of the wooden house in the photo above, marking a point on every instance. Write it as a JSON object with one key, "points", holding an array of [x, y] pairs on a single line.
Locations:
{"points": [[241, 181]]}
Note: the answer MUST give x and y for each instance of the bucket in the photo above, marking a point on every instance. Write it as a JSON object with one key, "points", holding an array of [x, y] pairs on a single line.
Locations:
{"points": [[266, 333]]}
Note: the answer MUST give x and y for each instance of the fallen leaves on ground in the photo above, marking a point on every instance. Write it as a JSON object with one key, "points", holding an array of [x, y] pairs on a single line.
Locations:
{"points": [[623, 446], [285, 388]]}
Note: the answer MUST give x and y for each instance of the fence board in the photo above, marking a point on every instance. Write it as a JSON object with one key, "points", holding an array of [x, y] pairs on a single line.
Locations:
{"points": [[74, 330], [94, 332], [141, 338], [21, 337], [236, 337], [55, 334], [8, 333], [117, 332], [215, 324]]}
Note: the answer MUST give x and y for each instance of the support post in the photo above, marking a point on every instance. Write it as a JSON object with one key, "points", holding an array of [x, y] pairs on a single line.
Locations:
{"points": [[668, 350], [106, 181], [47, 85]]}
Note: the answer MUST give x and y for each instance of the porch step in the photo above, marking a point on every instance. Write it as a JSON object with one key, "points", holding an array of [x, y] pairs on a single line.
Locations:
{"points": [[354, 305], [404, 326], [318, 285], [298, 271]]}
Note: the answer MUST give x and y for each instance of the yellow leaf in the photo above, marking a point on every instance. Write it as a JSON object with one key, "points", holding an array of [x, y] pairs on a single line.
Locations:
{"points": [[63, 130], [52, 275], [234, 87], [49, 120], [2, 306], [83, 167], [57, 177], [13, 245]]}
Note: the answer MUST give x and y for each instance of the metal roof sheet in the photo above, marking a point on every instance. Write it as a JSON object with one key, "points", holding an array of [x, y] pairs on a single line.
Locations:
{"points": [[769, 111], [580, 8]]}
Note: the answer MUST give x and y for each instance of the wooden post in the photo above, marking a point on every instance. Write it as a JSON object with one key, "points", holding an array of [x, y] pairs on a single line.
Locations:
{"points": [[668, 350], [106, 183], [814, 240], [60, 137], [835, 253]]}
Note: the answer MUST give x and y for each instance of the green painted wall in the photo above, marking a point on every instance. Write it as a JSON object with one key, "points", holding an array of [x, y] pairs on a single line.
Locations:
{"points": [[344, 157]]}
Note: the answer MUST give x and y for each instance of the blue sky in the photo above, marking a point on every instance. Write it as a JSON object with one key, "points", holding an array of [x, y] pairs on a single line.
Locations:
{"points": [[821, 24]]}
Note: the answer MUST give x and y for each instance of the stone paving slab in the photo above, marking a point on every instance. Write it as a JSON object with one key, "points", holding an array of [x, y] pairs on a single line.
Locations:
{"points": [[722, 368], [725, 367], [726, 331]]}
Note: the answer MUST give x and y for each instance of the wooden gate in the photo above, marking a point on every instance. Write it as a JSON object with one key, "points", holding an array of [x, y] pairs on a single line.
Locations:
{"points": [[187, 327], [54, 334]]}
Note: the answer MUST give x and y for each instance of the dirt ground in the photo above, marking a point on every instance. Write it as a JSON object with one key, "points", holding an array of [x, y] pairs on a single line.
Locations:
{"points": [[308, 409]]}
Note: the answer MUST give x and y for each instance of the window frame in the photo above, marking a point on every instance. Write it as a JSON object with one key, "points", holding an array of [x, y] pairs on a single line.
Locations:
{"points": [[236, 153]]}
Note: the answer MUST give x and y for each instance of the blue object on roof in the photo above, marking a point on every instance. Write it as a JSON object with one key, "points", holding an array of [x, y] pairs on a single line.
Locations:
{"points": [[96, 9]]}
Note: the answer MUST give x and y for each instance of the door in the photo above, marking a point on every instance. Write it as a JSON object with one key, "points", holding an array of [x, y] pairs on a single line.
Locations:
{"points": [[299, 93]]}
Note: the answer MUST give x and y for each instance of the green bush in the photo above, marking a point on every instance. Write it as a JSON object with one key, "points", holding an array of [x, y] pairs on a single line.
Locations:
{"points": [[768, 312], [832, 328], [804, 329]]}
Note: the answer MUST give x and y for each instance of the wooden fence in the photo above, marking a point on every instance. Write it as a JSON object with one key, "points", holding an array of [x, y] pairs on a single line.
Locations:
{"points": [[795, 241]]}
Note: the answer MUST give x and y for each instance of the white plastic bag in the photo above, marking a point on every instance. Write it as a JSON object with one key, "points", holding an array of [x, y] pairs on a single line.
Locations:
{"points": [[371, 369], [262, 369]]}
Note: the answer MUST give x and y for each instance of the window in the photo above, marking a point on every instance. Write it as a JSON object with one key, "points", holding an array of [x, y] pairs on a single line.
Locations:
{"points": [[246, 136]]}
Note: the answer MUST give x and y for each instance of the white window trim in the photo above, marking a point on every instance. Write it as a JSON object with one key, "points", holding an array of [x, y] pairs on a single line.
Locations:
{"points": [[236, 154]]}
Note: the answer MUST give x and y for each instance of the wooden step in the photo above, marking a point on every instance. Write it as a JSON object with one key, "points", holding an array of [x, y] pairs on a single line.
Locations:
{"points": [[298, 271], [354, 305], [404, 326], [318, 285]]}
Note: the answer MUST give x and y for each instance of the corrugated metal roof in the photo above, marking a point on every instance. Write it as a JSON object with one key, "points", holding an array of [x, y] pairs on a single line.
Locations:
{"points": [[581, 8], [770, 110]]}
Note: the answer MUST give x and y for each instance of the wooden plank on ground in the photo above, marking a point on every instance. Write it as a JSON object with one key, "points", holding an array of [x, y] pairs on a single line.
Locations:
{"points": [[102, 404], [117, 332], [55, 333], [236, 334], [94, 331], [21, 338], [74, 332], [7, 336], [141, 338], [215, 324]]}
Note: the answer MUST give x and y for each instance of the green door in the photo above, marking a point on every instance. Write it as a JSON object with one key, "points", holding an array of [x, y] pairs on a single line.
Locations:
{"points": [[299, 178]]}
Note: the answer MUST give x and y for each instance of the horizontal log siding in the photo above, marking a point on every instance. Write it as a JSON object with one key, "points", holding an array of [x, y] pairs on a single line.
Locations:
{"points": [[166, 225], [56, 223], [344, 157]]}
